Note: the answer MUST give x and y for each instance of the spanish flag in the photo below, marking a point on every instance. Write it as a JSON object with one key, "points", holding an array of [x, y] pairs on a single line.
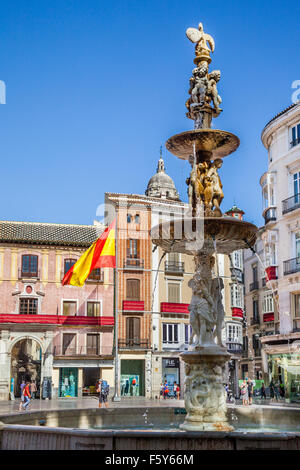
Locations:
{"points": [[101, 254]]}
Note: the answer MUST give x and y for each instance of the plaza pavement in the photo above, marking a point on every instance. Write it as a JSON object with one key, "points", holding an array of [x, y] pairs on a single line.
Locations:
{"points": [[12, 407]]}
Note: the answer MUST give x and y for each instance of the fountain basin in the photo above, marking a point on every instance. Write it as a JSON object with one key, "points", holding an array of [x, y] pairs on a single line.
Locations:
{"points": [[212, 143], [179, 235]]}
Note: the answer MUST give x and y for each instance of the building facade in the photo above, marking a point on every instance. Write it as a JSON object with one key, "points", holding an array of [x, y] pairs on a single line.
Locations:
{"points": [[278, 290], [59, 336]]}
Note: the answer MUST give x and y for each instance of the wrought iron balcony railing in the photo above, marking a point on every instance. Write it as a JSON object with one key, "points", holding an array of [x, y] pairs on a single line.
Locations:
{"points": [[133, 263], [234, 348], [270, 215], [254, 286], [255, 321], [28, 275], [134, 343], [174, 267], [291, 266], [291, 203], [82, 351]]}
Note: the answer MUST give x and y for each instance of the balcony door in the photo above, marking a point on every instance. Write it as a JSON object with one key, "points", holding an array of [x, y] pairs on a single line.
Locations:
{"points": [[133, 248], [133, 329], [69, 344], [133, 289]]}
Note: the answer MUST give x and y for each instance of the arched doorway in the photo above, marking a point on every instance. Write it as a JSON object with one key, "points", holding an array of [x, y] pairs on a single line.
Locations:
{"points": [[26, 357]]}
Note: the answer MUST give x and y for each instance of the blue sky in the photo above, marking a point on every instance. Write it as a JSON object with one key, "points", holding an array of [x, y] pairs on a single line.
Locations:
{"points": [[94, 88]]}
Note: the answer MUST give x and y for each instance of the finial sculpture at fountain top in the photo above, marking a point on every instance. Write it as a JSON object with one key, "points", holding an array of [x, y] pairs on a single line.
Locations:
{"points": [[205, 232]]}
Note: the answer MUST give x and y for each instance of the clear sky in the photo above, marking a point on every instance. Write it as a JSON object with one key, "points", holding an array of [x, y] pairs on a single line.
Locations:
{"points": [[95, 87]]}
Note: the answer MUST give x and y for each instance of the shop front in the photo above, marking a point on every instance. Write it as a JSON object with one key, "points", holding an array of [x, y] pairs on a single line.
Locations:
{"points": [[170, 370], [132, 380], [68, 382], [284, 369]]}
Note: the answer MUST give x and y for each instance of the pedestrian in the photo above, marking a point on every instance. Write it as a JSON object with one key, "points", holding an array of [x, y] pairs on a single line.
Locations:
{"points": [[166, 390], [282, 390], [103, 390], [178, 392], [250, 390], [244, 393], [174, 389], [22, 396], [33, 389], [22, 386], [272, 390], [263, 391], [161, 391], [27, 396]]}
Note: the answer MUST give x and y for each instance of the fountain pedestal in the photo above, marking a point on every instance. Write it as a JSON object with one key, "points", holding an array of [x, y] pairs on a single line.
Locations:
{"points": [[205, 397]]}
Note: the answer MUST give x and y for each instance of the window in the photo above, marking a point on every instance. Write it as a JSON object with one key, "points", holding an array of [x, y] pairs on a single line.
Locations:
{"points": [[270, 255], [133, 329], [129, 218], [69, 307], [132, 248], [69, 344], [29, 265], [297, 242], [295, 135], [255, 310], [133, 289], [268, 303], [187, 333], [170, 333], [68, 264], [234, 333], [96, 274], [245, 343], [92, 344], [296, 305], [174, 292], [237, 260], [237, 296], [137, 218], [256, 345], [93, 309], [254, 273], [28, 306]]}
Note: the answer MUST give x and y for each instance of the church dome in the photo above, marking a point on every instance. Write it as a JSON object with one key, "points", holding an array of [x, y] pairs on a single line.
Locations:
{"points": [[161, 185]]}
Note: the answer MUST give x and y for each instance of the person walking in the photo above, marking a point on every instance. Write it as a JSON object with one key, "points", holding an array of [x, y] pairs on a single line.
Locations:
{"points": [[250, 391], [282, 390], [244, 393], [178, 392], [263, 391], [103, 390], [33, 389], [174, 389], [27, 396], [23, 384], [166, 390], [272, 390]]}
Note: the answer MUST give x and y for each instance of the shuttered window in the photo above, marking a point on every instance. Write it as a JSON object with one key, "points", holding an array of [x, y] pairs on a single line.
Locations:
{"points": [[69, 343], [133, 328], [173, 292], [133, 248], [92, 343], [133, 289]]}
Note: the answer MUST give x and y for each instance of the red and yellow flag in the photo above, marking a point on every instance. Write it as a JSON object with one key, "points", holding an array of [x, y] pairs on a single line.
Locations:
{"points": [[101, 254]]}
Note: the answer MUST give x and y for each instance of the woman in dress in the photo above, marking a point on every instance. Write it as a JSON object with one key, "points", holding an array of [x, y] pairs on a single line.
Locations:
{"points": [[244, 393]]}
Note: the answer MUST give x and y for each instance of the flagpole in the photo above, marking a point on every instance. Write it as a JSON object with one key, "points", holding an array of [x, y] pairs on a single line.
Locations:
{"points": [[116, 396]]}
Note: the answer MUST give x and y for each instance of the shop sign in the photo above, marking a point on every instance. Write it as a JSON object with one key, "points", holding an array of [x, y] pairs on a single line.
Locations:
{"points": [[171, 362]]}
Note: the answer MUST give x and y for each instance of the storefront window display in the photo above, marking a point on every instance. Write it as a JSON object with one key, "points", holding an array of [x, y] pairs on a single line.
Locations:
{"points": [[130, 386], [68, 382], [170, 370], [284, 369]]}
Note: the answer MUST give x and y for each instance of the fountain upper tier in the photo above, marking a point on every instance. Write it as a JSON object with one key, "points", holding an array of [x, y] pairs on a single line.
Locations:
{"points": [[185, 235], [210, 144]]}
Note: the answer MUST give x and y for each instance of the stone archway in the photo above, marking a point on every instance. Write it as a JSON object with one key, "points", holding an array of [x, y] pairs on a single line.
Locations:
{"points": [[26, 362]]}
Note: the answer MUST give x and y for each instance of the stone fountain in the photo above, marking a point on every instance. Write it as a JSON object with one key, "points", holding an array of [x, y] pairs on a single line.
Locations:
{"points": [[202, 232]]}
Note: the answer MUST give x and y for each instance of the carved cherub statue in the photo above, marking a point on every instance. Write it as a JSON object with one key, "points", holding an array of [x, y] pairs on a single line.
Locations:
{"points": [[212, 91], [217, 191], [199, 90]]}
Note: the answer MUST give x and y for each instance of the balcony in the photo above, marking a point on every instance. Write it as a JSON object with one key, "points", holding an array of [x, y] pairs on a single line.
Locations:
{"points": [[133, 305], [237, 275], [255, 321], [237, 312], [245, 353], [174, 267], [271, 273], [28, 275], [171, 307], [56, 319], [253, 286], [82, 351], [291, 266], [234, 348], [270, 215], [268, 317], [133, 263], [291, 204], [294, 142], [134, 343]]}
